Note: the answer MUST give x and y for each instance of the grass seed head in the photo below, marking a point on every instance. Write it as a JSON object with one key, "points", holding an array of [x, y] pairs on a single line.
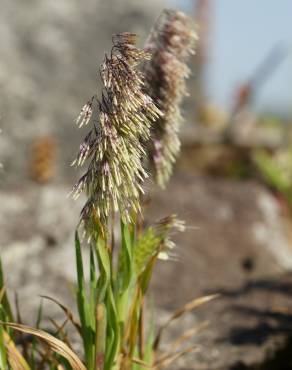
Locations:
{"points": [[114, 146], [171, 43]]}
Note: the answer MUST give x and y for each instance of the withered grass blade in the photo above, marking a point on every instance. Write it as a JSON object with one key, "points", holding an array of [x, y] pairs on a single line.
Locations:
{"points": [[67, 311], [15, 359], [187, 335], [55, 344], [61, 331], [181, 311], [169, 358], [142, 363]]}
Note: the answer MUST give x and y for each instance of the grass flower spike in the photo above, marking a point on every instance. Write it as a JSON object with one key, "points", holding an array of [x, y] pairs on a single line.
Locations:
{"points": [[171, 43], [114, 145]]}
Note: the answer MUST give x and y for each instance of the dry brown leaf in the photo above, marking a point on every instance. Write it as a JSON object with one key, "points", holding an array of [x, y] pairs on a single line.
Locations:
{"points": [[55, 344], [15, 359]]}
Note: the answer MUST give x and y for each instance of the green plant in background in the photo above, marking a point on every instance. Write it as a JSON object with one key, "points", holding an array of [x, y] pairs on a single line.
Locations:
{"points": [[137, 113], [276, 170]]}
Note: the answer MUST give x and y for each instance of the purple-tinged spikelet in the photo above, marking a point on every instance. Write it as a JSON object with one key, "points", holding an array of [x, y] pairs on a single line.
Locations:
{"points": [[114, 145], [165, 228], [171, 43]]}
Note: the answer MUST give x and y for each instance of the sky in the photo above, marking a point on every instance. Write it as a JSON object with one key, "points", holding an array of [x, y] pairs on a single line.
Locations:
{"points": [[243, 33]]}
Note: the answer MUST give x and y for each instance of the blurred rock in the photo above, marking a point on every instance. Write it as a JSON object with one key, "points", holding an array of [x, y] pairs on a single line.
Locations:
{"points": [[37, 246], [228, 222], [237, 244]]}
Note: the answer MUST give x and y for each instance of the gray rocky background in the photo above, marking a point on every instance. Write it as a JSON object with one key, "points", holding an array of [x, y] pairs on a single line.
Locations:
{"points": [[238, 240]]}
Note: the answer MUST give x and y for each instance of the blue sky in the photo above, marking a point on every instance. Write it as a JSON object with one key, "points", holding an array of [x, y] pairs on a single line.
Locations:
{"points": [[243, 33]]}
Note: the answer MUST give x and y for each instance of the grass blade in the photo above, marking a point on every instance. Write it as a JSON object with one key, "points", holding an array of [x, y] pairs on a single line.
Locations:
{"points": [[101, 323], [181, 311], [3, 356], [4, 300], [125, 271], [68, 313], [15, 359], [55, 344], [83, 308], [171, 357]]}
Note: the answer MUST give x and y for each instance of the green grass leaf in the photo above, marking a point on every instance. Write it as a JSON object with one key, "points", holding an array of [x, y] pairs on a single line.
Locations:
{"points": [[125, 268], [4, 299], [145, 248], [88, 330]]}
